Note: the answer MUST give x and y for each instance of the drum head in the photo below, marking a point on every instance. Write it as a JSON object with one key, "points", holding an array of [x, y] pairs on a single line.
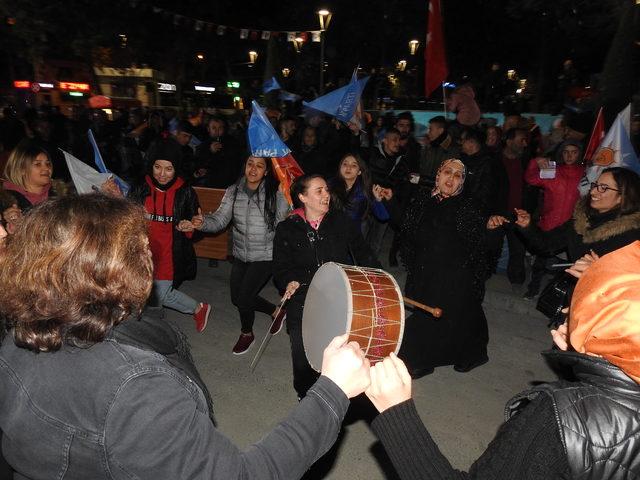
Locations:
{"points": [[327, 311]]}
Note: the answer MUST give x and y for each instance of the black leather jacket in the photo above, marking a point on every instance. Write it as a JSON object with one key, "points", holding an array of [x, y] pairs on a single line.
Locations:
{"points": [[598, 416]]}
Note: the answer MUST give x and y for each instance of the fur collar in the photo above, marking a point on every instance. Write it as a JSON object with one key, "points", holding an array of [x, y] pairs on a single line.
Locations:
{"points": [[612, 228]]}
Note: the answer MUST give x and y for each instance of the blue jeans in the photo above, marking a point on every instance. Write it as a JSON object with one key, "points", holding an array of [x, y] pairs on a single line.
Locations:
{"points": [[165, 295]]}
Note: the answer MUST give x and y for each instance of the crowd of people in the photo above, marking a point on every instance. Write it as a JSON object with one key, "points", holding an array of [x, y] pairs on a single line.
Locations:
{"points": [[466, 201]]}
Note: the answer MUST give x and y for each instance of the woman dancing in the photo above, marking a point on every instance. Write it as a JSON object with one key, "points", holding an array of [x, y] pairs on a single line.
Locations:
{"points": [[254, 206]]}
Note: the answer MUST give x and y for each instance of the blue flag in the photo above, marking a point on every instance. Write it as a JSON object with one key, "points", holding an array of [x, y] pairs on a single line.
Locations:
{"points": [[289, 97], [263, 139], [342, 102], [270, 85], [102, 167]]}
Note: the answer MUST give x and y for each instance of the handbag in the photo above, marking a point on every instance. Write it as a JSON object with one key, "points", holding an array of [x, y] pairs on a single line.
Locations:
{"points": [[555, 297]]}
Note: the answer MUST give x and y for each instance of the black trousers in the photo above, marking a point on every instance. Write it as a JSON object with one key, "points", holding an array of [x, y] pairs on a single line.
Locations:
{"points": [[515, 268], [247, 280], [303, 375]]}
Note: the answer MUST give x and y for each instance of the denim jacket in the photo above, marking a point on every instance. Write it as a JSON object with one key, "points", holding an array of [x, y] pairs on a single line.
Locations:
{"points": [[115, 411]]}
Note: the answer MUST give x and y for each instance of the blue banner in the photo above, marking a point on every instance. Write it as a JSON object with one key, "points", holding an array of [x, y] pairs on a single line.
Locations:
{"points": [[263, 139]]}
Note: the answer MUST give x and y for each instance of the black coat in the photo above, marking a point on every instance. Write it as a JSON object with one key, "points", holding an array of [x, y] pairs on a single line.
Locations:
{"points": [[387, 171], [223, 168], [587, 230], [486, 182], [185, 206], [299, 250], [442, 247]]}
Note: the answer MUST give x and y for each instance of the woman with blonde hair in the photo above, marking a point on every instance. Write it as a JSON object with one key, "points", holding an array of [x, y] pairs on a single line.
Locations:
{"points": [[27, 181]]}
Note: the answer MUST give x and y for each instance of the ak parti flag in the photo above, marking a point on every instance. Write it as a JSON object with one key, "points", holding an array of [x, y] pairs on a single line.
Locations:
{"points": [[597, 135], [435, 71], [287, 170]]}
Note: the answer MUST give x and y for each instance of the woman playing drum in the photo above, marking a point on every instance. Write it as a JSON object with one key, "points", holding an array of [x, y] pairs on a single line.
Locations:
{"points": [[312, 235]]}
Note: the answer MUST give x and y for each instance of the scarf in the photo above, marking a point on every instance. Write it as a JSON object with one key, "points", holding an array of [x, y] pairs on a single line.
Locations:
{"points": [[436, 190]]}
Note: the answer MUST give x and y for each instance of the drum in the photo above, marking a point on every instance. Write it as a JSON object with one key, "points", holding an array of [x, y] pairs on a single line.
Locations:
{"points": [[364, 302]]}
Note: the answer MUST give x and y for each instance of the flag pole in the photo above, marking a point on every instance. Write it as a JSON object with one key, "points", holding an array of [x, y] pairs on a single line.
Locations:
{"points": [[444, 100]]}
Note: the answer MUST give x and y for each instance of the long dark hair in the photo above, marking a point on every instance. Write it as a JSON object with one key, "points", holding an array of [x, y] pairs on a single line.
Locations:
{"points": [[628, 183], [271, 185], [340, 197]]}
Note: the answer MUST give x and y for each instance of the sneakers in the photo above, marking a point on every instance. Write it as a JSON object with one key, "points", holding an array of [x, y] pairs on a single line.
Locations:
{"points": [[243, 344], [278, 321], [201, 316]]}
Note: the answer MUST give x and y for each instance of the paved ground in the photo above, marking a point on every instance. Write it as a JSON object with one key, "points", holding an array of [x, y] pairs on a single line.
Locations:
{"points": [[462, 411]]}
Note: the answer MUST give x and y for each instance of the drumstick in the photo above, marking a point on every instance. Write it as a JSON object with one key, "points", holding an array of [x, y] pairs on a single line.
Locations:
{"points": [[268, 336], [435, 311]]}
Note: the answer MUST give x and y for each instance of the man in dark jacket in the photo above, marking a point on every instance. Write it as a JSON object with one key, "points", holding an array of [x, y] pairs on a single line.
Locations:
{"points": [[219, 159], [514, 161], [440, 147], [486, 179], [409, 148], [388, 170]]}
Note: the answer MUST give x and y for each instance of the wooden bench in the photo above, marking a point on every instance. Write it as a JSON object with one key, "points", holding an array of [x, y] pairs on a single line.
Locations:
{"points": [[211, 245]]}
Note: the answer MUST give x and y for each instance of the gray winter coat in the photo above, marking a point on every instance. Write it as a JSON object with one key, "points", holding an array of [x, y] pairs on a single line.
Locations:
{"points": [[252, 239]]}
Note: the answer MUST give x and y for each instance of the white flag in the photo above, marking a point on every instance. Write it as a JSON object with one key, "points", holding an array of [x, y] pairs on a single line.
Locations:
{"points": [[615, 150], [85, 178]]}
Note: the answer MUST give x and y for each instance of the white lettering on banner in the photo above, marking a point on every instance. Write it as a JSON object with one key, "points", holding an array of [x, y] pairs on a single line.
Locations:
{"points": [[202, 88], [266, 152]]}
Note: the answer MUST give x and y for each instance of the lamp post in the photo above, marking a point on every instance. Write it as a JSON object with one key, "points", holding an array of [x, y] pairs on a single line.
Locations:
{"points": [[413, 46], [324, 17], [253, 56]]}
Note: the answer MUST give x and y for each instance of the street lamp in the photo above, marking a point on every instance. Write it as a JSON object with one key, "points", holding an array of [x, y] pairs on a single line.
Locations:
{"points": [[413, 46], [253, 56], [297, 43], [324, 17], [402, 65], [285, 72], [200, 56]]}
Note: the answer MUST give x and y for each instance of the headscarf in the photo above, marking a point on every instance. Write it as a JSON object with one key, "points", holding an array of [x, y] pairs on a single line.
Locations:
{"points": [[604, 318], [454, 162]]}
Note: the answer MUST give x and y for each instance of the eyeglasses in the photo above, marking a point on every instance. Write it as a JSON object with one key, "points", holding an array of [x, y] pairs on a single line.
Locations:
{"points": [[601, 187]]}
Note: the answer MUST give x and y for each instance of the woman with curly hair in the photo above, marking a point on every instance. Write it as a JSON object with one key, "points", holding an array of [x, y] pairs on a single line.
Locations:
{"points": [[76, 401]]}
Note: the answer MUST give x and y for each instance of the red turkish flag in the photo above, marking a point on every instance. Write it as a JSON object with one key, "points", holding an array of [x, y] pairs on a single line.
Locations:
{"points": [[597, 135], [435, 68]]}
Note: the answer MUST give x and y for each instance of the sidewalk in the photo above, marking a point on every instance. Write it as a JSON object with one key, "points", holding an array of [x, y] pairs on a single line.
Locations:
{"points": [[462, 411]]}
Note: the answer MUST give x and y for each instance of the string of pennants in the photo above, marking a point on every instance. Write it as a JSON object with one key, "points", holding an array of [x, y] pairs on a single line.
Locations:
{"points": [[244, 33]]}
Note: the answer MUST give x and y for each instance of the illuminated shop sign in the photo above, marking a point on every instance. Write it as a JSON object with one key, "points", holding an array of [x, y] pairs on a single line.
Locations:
{"points": [[74, 86], [166, 87], [203, 88]]}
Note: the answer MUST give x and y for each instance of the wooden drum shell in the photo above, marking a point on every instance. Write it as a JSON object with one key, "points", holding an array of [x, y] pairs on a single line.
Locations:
{"points": [[364, 302]]}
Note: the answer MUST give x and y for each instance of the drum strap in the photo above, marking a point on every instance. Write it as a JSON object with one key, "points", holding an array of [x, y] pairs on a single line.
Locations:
{"points": [[314, 237]]}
